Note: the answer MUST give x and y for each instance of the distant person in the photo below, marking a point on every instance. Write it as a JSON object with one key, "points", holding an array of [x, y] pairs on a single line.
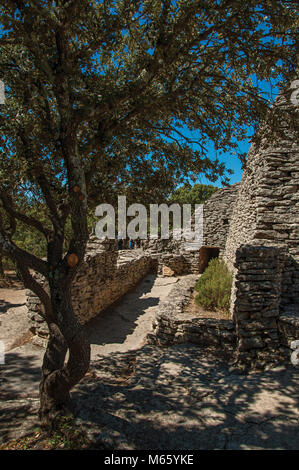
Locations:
{"points": [[131, 244], [120, 244]]}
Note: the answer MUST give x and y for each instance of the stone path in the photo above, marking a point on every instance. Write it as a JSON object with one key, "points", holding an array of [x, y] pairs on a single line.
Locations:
{"points": [[20, 374], [13, 316], [124, 326], [183, 398], [121, 328], [139, 396]]}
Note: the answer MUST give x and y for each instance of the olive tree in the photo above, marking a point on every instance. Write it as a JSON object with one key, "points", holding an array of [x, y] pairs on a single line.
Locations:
{"points": [[102, 89]]}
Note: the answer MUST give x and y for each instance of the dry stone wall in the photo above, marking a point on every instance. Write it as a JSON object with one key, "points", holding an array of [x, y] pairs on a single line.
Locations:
{"points": [[265, 294], [172, 325], [217, 214], [258, 294], [257, 335], [255, 225], [266, 211], [288, 329], [107, 274], [103, 278], [176, 257], [171, 256]]}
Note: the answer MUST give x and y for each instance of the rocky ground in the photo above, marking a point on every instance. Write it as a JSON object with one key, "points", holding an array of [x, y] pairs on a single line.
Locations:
{"points": [[182, 397], [139, 396]]}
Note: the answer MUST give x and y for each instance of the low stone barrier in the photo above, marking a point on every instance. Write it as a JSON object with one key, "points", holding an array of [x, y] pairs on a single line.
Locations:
{"points": [[103, 278], [261, 331], [107, 274], [173, 325]]}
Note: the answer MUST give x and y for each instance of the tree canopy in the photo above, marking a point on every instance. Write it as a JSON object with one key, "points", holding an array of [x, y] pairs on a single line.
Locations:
{"points": [[196, 194]]}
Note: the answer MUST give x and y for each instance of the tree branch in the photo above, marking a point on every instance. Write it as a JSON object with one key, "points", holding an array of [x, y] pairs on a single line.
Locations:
{"points": [[31, 221], [32, 284], [18, 255]]}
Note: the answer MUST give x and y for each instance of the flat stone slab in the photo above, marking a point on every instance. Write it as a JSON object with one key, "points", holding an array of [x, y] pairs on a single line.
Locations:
{"points": [[184, 398]]}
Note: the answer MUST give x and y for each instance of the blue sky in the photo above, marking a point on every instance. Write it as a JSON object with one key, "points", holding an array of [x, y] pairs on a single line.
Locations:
{"points": [[270, 91]]}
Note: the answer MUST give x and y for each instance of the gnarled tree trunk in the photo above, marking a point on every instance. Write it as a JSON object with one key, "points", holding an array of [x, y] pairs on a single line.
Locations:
{"points": [[66, 334]]}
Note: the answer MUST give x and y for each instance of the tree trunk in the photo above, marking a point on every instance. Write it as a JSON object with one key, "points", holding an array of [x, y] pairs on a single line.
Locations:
{"points": [[2, 275], [3, 279], [66, 334]]}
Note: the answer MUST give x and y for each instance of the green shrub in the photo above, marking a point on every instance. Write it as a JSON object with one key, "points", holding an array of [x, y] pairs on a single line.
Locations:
{"points": [[214, 287]]}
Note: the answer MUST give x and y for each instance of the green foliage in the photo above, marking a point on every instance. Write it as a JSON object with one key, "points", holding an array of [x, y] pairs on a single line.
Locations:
{"points": [[67, 435], [142, 85], [214, 286], [31, 240], [196, 194]]}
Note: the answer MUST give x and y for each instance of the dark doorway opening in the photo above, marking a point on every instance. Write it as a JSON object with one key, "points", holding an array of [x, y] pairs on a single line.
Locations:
{"points": [[206, 253]]}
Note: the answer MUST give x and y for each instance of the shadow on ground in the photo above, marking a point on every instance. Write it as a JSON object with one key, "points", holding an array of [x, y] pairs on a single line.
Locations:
{"points": [[5, 306], [21, 373], [183, 398], [19, 379], [125, 325], [105, 329], [177, 398]]}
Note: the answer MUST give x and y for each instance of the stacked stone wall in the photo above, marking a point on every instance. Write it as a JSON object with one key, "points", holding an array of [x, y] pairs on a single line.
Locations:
{"points": [[256, 308], [106, 275], [217, 213], [257, 335], [172, 257], [102, 279], [172, 325], [266, 211]]}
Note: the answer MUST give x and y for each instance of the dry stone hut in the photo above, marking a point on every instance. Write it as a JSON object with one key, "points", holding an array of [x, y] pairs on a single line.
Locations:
{"points": [[254, 227], [262, 245]]}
